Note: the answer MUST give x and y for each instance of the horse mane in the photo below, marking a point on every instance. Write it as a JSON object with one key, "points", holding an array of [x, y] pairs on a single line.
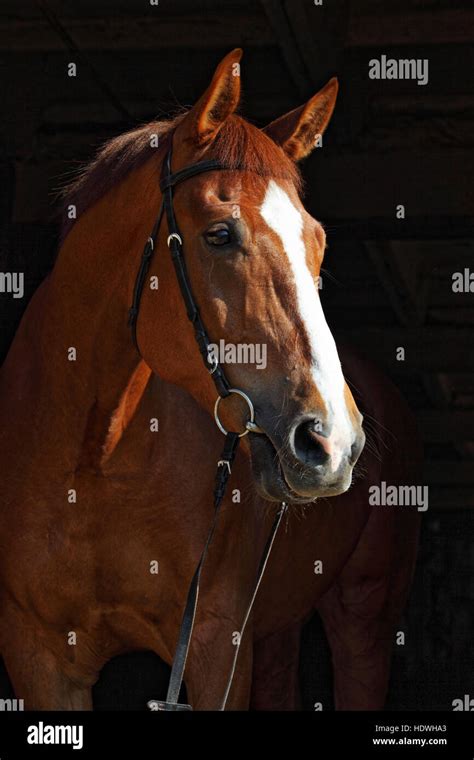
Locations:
{"points": [[239, 145]]}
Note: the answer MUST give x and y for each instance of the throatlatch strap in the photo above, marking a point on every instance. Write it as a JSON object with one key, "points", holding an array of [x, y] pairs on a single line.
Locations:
{"points": [[187, 623], [168, 181], [142, 273]]}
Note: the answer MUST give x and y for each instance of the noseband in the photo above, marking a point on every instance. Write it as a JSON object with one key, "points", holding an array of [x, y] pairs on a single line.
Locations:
{"points": [[168, 181]]}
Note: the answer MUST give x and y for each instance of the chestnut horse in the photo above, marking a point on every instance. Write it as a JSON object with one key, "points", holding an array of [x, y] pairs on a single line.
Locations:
{"points": [[109, 469]]}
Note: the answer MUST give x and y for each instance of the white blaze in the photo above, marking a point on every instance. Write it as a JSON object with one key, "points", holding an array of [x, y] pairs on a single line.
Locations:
{"points": [[286, 221]]}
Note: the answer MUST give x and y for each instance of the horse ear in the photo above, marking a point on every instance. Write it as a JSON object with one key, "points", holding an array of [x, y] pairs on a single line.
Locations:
{"points": [[298, 130], [219, 101]]}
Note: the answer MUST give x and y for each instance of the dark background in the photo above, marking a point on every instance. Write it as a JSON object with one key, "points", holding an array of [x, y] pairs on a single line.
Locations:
{"points": [[388, 282]]}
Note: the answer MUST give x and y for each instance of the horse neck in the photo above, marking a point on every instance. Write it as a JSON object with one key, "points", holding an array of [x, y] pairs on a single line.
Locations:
{"points": [[74, 336]]}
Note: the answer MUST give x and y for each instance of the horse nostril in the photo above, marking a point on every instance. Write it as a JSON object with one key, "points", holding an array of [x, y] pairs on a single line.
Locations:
{"points": [[310, 444]]}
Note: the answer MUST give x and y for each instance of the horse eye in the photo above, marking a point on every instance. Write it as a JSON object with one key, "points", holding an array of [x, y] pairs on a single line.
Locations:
{"points": [[218, 236]]}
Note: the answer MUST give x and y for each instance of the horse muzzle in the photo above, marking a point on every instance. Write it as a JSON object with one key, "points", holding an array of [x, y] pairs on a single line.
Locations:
{"points": [[309, 465]]}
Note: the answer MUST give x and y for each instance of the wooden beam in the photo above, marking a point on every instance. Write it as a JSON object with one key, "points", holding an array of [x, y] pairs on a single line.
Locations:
{"points": [[223, 29], [441, 292], [453, 315], [449, 473], [432, 105], [422, 226], [231, 27], [277, 16], [438, 390], [444, 425], [427, 349], [406, 290], [450, 498], [320, 34], [78, 56], [423, 27], [376, 187]]}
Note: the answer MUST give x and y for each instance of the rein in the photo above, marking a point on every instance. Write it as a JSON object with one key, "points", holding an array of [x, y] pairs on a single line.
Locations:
{"points": [[168, 182]]}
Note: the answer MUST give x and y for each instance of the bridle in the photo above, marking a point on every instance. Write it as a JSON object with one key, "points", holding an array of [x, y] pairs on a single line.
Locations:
{"points": [[168, 181]]}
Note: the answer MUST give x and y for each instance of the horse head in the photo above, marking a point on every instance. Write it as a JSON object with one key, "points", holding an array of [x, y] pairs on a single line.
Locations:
{"points": [[253, 256]]}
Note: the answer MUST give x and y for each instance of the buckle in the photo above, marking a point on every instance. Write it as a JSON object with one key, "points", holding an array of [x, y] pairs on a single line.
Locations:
{"points": [[174, 236], [224, 463], [162, 706]]}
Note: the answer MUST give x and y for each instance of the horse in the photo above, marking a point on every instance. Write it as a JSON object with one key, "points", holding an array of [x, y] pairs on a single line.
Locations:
{"points": [[108, 452]]}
